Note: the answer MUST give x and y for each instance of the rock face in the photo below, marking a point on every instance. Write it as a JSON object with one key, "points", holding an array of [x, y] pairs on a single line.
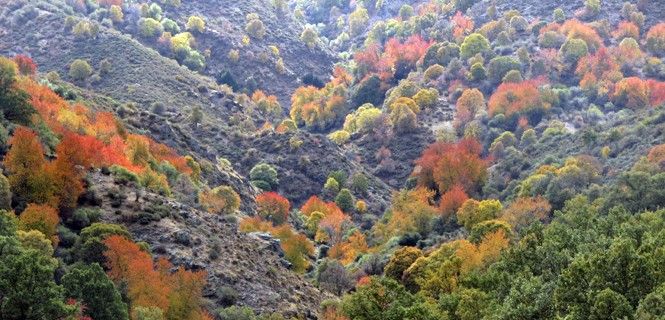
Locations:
{"points": [[248, 266]]}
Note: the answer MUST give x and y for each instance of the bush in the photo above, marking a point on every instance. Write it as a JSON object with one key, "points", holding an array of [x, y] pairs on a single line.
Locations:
{"points": [[170, 26], [195, 23], [358, 21], [499, 66], [222, 199], [434, 72], [359, 183], [265, 173], [519, 23], [340, 137], [574, 49], [256, 29], [478, 72], [559, 15], [309, 36], [513, 76], [80, 70], [473, 212], [150, 28], [551, 39], [5, 193], [474, 44], [426, 98], [84, 217], [655, 39], [592, 7], [345, 200]]}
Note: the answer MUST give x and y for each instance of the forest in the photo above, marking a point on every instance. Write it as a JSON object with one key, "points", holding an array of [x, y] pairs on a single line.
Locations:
{"points": [[332, 159]]}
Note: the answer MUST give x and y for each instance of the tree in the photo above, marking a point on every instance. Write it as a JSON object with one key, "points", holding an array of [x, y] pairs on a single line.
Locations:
{"points": [[264, 176], [128, 264], [452, 200], [80, 70], [655, 39], [499, 66], [473, 212], [401, 260], [13, 101], [150, 28], [573, 50], [5, 193], [90, 245], [41, 218], [273, 207], [309, 36], [25, 65], [89, 285], [468, 105], [632, 93], [443, 166], [222, 199], [256, 29], [26, 282], [358, 21], [524, 211], [345, 200], [195, 23], [26, 165], [473, 45], [332, 276], [521, 98]]}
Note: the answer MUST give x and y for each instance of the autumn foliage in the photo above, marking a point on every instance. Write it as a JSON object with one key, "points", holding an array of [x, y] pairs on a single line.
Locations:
{"points": [[273, 207], [25, 65], [41, 218], [516, 98], [444, 166], [152, 284], [578, 30]]}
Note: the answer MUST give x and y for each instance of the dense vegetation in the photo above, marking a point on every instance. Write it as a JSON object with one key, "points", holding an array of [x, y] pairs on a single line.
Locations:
{"points": [[523, 154]]}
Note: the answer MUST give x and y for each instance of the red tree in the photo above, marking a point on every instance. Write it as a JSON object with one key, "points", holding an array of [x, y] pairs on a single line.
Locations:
{"points": [[273, 207], [26, 66]]}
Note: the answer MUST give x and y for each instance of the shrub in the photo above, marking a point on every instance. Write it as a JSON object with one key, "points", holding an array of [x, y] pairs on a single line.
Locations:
{"points": [[358, 21], [405, 12], [632, 93], [519, 23], [578, 30], [403, 118], [499, 66], [222, 199], [309, 36], [559, 15], [574, 49], [513, 76], [592, 7], [551, 39], [234, 55], [170, 26], [340, 137], [434, 72], [80, 70], [195, 23], [515, 98], [256, 29], [150, 28], [426, 98], [116, 14], [265, 173], [626, 29], [469, 104], [478, 72], [273, 207], [474, 44], [345, 200], [655, 39]]}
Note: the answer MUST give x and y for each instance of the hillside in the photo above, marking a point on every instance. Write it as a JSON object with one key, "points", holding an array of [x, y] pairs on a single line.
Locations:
{"points": [[332, 159]]}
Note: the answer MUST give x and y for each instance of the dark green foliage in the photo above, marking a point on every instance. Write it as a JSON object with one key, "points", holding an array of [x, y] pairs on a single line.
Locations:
{"points": [[89, 285], [225, 77], [13, 102], [312, 80], [83, 217], [499, 66], [5, 193], [345, 200], [359, 183], [90, 247], [368, 91], [264, 176], [27, 286]]}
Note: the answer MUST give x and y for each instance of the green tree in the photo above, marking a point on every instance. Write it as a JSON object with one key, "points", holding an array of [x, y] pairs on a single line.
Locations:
{"points": [[28, 291], [345, 200], [474, 44], [80, 70], [89, 285], [264, 176], [13, 102]]}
